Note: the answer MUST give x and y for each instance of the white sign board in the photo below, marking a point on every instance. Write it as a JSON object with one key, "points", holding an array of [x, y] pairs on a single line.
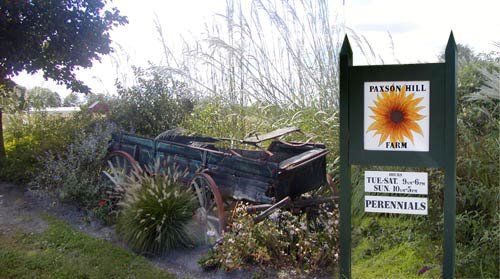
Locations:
{"points": [[414, 183], [396, 115], [399, 205]]}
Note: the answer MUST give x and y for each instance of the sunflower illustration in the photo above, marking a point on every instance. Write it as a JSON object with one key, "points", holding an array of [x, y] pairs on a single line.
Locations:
{"points": [[396, 115]]}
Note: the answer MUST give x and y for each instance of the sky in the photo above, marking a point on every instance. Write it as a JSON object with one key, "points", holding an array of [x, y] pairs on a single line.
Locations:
{"points": [[419, 30]]}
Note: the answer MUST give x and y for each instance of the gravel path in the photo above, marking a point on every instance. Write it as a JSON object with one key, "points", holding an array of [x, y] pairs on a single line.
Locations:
{"points": [[21, 210]]}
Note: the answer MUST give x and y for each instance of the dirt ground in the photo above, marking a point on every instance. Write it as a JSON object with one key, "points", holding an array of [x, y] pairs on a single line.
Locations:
{"points": [[21, 210]]}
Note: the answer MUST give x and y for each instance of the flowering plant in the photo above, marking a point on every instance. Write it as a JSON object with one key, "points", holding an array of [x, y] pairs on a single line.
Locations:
{"points": [[283, 240]]}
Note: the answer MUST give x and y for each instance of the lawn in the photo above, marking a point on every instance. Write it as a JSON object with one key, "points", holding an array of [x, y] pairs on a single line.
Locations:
{"points": [[63, 252], [389, 247]]}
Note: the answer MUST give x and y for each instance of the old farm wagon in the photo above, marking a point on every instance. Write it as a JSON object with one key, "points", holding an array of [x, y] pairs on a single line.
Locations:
{"points": [[269, 178]]}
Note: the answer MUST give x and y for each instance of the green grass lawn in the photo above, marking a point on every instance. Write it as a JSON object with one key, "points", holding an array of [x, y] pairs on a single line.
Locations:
{"points": [[387, 247], [62, 252]]}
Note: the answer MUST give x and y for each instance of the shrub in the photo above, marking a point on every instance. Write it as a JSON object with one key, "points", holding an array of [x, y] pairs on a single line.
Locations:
{"points": [[156, 210], [28, 137], [284, 240], [157, 102], [478, 196], [74, 175]]}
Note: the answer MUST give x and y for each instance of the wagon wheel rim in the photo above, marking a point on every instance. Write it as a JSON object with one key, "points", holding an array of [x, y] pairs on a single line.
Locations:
{"points": [[314, 214], [210, 215], [122, 161], [117, 164]]}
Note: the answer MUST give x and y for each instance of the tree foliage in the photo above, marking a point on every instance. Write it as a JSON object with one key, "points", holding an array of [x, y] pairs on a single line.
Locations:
{"points": [[71, 100], [39, 97], [57, 37], [157, 102], [472, 67], [478, 136], [54, 36]]}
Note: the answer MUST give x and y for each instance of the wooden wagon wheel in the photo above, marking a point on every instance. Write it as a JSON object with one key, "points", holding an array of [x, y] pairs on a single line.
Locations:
{"points": [[116, 165], [210, 215], [317, 202], [121, 161]]}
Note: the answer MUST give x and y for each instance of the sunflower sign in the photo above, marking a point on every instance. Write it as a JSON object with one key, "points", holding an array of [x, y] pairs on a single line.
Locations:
{"points": [[396, 115], [390, 124]]}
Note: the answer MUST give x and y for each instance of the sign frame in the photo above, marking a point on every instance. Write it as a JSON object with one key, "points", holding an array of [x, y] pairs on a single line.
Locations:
{"points": [[442, 141], [431, 72]]}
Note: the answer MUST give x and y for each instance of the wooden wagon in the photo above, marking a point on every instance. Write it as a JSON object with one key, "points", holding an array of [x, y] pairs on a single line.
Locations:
{"points": [[269, 178]]}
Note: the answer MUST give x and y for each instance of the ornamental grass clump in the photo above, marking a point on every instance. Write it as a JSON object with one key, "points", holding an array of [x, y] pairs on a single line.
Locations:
{"points": [[155, 211]]}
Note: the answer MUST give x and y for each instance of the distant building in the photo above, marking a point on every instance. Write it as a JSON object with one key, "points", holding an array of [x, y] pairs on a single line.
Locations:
{"points": [[99, 107], [96, 107], [57, 110]]}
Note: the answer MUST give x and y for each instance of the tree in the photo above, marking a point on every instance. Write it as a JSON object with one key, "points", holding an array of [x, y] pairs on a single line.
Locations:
{"points": [[471, 68], [71, 100], [12, 99], [3, 103], [54, 36], [99, 97], [39, 97]]}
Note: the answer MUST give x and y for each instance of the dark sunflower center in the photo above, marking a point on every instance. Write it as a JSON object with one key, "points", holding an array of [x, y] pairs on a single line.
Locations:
{"points": [[396, 116]]}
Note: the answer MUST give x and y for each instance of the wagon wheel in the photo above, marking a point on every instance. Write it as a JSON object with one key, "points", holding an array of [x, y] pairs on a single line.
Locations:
{"points": [[209, 217], [326, 200], [116, 165], [122, 161]]}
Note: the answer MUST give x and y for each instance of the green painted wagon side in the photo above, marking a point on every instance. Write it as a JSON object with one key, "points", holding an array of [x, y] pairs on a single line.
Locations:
{"points": [[253, 175]]}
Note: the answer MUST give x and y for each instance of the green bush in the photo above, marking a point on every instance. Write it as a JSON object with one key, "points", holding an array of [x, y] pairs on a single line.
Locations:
{"points": [[73, 175], [285, 241], [478, 195], [20, 162], [156, 103], [29, 137], [155, 212]]}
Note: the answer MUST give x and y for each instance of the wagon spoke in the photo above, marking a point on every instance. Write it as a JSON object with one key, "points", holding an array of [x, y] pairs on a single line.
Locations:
{"points": [[213, 218], [209, 217], [116, 164], [199, 192]]}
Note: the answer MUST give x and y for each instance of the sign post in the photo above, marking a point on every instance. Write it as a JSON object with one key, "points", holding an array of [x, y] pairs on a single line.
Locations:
{"points": [[398, 115]]}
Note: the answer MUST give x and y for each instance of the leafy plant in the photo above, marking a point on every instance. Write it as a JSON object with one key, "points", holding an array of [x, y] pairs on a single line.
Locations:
{"points": [[39, 98], [155, 103], [155, 211], [27, 139], [478, 196], [74, 174], [284, 241], [29, 136]]}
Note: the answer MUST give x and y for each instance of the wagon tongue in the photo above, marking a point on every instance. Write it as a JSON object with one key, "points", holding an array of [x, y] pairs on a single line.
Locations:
{"points": [[274, 134]]}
